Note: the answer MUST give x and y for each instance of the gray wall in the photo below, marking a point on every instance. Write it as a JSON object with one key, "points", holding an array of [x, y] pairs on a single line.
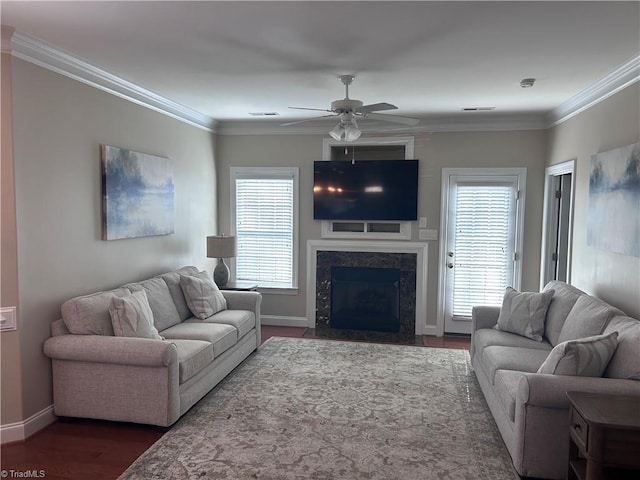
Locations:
{"points": [[10, 349], [59, 125], [612, 123], [435, 151]]}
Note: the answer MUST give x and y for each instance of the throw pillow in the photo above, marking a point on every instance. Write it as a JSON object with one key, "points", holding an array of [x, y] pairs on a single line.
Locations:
{"points": [[588, 317], [587, 357], [523, 313], [89, 314], [202, 295], [131, 316]]}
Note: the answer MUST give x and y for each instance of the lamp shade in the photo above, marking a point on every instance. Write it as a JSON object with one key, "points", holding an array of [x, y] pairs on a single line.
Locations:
{"points": [[221, 247]]}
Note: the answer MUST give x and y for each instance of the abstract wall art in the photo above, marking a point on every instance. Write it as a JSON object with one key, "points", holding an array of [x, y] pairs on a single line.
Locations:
{"points": [[137, 194], [614, 201]]}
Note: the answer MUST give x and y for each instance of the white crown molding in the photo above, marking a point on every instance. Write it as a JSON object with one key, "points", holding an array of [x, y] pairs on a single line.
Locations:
{"points": [[613, 82], [433, 124], [40, 53]]}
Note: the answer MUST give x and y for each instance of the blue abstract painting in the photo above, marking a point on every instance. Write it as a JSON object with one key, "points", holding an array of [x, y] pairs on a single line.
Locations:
{"points": [[137, 194], [614, 201]]}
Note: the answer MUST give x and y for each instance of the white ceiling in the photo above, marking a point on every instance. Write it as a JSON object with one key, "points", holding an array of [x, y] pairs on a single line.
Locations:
{"points": [[431, 59]]}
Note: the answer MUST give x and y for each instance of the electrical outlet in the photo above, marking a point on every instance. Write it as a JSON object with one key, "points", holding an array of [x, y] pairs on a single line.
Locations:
{"points": [[423, 222], [428, 234], [8, 318]]}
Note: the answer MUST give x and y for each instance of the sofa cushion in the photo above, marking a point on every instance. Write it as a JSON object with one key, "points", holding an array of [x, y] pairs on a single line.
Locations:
{"points": [[131, 316], [89, 314], [193, 356], [243, 320], [487, 337], [512, 358], [202, 295], [222, 337], [524, 313], [164, 310], [172, 279], [586, 357], [563, 300], [625, 362], [587, 318], [506, 388]]}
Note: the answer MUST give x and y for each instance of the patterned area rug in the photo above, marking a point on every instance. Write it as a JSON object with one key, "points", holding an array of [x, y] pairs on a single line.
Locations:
{"points": [[303, 409]]}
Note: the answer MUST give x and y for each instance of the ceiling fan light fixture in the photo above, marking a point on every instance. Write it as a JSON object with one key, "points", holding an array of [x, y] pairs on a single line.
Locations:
{"points": [[337, 132], [351, 132]]}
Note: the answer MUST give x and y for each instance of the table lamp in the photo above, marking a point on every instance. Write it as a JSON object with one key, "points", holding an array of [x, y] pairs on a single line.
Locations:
{"points": [[221, 247]]}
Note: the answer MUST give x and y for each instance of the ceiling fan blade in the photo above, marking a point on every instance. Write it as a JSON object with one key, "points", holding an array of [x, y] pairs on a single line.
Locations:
{"points": [[314, 109], [305, 120], [392, 118], [376, 107]]}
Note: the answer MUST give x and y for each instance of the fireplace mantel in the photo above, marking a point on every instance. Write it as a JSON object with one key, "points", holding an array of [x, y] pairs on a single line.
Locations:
{"points": [[418, 248]]}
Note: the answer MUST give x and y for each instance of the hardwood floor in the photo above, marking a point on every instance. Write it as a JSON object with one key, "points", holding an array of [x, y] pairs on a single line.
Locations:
{"points": [[78, 449]]}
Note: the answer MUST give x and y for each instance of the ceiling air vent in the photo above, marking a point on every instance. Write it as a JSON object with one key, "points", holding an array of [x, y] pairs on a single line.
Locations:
{"points": [[478, 109], [527, 82], [263, 114]]}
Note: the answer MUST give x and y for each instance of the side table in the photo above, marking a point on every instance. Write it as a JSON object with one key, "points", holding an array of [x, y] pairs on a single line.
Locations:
{"points": [[604, 436], [240, 286]]}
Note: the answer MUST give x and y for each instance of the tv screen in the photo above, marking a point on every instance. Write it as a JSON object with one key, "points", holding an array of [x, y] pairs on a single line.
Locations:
{"points": [[365, 190]]}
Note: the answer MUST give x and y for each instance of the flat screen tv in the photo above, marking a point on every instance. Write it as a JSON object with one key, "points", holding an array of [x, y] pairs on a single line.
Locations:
{"points": [[365, 190]]}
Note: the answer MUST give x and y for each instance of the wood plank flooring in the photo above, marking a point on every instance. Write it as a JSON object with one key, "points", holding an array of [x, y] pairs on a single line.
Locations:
{"points": [[79, 449]]}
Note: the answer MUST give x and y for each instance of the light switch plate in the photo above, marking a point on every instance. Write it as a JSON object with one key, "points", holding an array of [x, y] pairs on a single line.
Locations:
{"points": [[423, 222], [8, 318]]}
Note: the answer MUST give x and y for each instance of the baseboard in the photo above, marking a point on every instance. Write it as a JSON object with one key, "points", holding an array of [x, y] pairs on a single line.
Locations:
{"points": [[280, 321], [19, 431], [431, 330]]}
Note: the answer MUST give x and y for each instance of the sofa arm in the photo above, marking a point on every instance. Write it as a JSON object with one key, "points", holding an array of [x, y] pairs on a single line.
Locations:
{"points": [[484, 316], [116, 350], [241, 300], [551, 390]]}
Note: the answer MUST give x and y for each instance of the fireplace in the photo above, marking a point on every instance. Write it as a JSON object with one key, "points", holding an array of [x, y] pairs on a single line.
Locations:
{"points": [[404, 263], [409, 258], [365, 298]]}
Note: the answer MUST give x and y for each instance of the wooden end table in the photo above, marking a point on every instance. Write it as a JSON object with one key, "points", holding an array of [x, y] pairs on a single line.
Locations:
{"points": [[240, 286], [604, 436]]}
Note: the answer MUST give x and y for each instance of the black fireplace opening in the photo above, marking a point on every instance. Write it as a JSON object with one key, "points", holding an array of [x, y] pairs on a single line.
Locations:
{"points": [[365, 298]]}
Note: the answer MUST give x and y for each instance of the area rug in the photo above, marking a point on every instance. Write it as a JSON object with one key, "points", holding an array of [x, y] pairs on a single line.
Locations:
{"points": [[327, 410]]}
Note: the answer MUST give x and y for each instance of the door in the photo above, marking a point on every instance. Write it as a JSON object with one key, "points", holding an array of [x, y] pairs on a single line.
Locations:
{"points": [[556, 237], [560, 256], [482, 240]]}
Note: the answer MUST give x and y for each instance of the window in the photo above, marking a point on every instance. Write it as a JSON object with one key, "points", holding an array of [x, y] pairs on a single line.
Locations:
{"points": [[265, 216], [484, 244]]}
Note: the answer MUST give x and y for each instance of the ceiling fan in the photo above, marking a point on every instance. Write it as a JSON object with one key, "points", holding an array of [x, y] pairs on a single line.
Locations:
{"points": [[349, 109]]}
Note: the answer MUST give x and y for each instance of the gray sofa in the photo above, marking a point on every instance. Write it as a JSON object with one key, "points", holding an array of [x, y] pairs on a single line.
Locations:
{"points": [[97, 374], [531, 409]]}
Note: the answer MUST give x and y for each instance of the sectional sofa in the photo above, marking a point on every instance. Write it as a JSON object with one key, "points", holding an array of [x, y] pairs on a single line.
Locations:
{"points": [[525, 367], [147, 352]]}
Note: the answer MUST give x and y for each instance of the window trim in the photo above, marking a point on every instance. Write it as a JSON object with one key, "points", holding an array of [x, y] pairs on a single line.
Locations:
{"points": [[273, 172]]}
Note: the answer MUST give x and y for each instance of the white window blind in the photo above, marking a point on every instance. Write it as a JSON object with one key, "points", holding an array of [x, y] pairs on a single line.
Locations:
{"points": [[484, 245], [265, 228]]}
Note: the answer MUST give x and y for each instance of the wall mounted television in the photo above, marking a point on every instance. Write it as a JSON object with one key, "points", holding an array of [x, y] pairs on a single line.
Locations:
{"points": [[382, 190]]}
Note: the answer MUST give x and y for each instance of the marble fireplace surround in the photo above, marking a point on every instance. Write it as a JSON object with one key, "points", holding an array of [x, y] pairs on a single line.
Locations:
{"points": [[371, 246]]}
